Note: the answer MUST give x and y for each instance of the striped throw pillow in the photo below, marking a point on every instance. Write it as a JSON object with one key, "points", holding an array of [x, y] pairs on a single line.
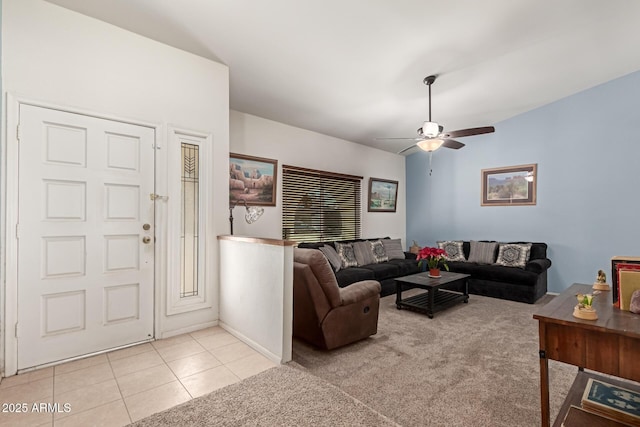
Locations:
{"points": [[482, 252], [332, 256]]}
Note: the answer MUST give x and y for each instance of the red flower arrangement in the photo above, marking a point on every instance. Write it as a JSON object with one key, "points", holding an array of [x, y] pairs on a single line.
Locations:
{"points": [[434, 257]]}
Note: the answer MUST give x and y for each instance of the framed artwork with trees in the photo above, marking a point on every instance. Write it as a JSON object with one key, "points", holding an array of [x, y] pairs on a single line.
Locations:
{"points": [[383, 195]]}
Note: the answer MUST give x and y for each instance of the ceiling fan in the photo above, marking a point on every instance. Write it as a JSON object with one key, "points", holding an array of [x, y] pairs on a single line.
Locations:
{"points": [[431, 136]]}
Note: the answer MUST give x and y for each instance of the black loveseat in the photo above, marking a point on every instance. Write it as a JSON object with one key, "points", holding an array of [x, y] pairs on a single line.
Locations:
{"points": [[526, 284], [384, 272]]}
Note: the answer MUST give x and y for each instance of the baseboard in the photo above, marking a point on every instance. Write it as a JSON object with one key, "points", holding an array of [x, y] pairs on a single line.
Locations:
{"points": [[254, 345], [186, 330]]}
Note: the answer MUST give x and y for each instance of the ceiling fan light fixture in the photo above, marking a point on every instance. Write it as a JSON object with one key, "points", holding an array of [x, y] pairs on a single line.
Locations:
{"points": [[431, 136], [430, 129], [430, 144]]}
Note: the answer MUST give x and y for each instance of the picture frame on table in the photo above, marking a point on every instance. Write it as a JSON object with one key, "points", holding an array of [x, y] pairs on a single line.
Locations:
{"points": [[509, 186], [252, 180], [383, 195]]}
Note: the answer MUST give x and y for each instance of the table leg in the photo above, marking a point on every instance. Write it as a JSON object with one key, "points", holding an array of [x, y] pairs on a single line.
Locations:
{"points": [[466, 291], [431, 302], [398, 295], [544, 378]]}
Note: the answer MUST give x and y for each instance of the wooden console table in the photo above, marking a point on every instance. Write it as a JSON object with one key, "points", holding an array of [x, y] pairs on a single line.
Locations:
{"points": [[610, 344]]}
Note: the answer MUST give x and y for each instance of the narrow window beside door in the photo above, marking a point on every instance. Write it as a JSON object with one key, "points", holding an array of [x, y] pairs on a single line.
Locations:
{"points": [[190, 221], [190, 270]]}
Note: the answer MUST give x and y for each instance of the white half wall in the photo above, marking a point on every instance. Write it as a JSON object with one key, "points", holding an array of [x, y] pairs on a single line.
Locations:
{"points": [[256, 295], [256, 136]]}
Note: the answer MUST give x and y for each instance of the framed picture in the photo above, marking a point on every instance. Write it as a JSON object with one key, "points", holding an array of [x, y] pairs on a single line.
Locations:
{"points": [[383, 194], [252, 179], [509, 186]]}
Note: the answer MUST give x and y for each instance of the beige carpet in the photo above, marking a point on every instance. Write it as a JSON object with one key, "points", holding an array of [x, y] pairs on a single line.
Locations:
{"points": [[281, 396], [474, 364]]}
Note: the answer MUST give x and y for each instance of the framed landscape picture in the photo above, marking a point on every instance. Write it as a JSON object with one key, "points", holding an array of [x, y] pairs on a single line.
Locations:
{"points": [[383, 194], [252, 179], [509, 186]]}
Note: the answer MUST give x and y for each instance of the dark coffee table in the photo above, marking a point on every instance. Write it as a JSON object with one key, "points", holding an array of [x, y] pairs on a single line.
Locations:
{"points": [[436, 298]]}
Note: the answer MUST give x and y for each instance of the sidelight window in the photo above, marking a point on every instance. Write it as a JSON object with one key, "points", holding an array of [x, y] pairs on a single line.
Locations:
{"points": [[189, 240]]}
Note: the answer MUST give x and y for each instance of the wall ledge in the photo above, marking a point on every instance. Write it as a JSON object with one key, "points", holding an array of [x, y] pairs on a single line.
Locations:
{"points": [[264, 241]]}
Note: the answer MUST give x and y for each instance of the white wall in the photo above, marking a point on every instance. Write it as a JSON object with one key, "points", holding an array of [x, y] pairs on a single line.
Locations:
{"points": [[63, 58], [587, 205], [256, 295], [289, 145]]}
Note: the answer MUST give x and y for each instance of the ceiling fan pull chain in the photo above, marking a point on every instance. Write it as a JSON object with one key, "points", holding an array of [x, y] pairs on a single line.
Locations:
{"points": [[429, 102], [430, 157]]}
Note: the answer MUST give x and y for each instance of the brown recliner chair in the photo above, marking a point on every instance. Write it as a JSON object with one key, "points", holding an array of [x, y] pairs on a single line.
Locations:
{"points": [[324, 314]]}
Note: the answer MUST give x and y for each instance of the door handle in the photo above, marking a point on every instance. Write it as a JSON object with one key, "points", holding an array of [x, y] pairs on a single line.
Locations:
{"points": [[146, 240]]}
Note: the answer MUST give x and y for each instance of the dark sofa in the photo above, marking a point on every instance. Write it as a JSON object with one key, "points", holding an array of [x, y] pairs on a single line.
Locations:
{"points": [[526, 284], [384, 272]]}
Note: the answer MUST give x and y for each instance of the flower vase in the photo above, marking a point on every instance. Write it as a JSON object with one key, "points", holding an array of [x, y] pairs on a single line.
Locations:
{"points": [[434, 272]]}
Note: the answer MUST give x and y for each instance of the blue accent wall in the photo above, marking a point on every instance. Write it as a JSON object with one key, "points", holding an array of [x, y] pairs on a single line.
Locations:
{"points": [[587, 147]]}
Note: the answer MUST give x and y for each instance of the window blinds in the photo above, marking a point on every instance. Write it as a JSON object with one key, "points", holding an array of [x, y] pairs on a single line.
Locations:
{"points": [[319, 206]]}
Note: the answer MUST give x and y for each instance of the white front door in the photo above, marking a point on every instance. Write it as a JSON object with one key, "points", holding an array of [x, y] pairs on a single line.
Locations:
{"points": [[85, 235]]}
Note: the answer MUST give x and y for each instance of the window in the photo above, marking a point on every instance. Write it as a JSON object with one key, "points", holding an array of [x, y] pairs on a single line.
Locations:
{"points": [[319, 206], [188, 258], [189, 250]]}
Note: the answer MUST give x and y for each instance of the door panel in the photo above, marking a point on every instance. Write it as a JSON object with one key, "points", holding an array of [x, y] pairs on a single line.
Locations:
{"points": [[85, 277]]}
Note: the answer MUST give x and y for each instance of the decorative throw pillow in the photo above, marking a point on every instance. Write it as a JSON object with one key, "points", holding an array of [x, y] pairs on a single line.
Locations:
{"points": [[482, 252], [453, 250], [393, 248], [513, 255], [346, 254], [332, 256], [379, 254], [364, 256]]}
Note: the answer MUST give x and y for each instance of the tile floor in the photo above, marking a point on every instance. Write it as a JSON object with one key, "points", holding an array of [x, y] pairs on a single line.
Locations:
{"points": [[122, 386]]}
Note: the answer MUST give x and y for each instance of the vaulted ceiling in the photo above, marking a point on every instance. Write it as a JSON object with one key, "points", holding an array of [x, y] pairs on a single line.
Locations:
{"points": [[353, 69]]}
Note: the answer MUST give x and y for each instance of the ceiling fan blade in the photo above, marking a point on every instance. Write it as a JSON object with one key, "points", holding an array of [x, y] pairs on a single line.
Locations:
{"points": [[406, 149], [406, 139], [452, 143], [469, 132]]}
